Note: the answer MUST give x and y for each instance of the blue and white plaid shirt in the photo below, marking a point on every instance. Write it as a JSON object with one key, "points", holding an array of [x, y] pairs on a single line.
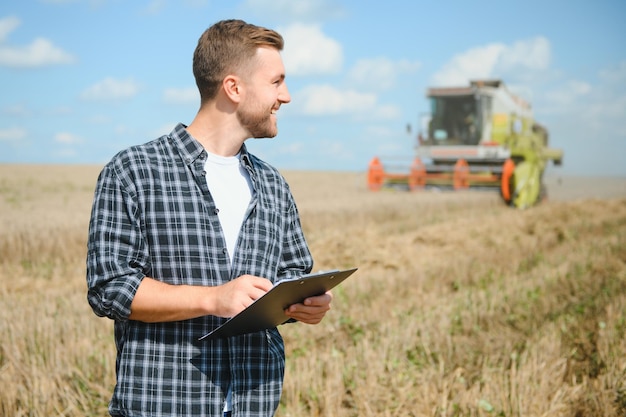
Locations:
{"points": [[153, 216]]}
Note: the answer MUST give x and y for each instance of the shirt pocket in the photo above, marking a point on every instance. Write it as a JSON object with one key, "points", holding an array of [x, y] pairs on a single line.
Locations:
{"points": [[264, 233]]}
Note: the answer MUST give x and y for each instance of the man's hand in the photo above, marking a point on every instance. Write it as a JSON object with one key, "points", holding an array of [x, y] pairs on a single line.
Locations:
{"points": [[234, 296], [312, 310]]}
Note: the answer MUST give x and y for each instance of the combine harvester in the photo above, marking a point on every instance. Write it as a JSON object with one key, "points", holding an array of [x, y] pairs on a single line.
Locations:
{"points": [[478, 136]]}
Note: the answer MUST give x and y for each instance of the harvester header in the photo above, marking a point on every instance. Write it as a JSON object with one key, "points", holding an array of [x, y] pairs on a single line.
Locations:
{"points": [[480, 135]]}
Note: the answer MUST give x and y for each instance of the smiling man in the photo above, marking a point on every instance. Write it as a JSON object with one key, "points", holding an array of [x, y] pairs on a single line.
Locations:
{"points": [[188, 230]]}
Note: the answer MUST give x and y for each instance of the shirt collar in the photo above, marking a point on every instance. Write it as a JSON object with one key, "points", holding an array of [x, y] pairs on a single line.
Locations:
{"points": [[190, 149], [246, 161]]}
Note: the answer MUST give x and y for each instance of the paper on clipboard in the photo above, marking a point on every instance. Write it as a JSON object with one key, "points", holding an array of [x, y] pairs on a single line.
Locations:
{"points": [[268, 311]]}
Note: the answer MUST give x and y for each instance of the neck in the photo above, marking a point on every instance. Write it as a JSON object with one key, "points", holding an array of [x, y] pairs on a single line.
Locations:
{"points": [[218, 133]]}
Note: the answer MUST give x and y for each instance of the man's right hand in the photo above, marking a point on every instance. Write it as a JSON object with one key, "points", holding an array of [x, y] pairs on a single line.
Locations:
{"points": [[234, 296]]}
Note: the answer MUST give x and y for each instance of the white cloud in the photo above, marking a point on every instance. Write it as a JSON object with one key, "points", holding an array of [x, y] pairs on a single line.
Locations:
{"points": [[380, 73], [302, 10], [8, 25], [67, 138], [586, 119], [603, 106], [475, 63], [154, 7], [565, 95], [181, 95], [111, 89], [320, 100], [532, 54], [308, 51], [615, 75], [327, 100], [495, 60], [17, 110], [600, 103], [12, 134], [39, 53]]}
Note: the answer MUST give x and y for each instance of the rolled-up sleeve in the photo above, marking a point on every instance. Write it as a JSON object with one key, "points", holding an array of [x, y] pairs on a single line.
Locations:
{"points": [[296, 258], [117, 258]]}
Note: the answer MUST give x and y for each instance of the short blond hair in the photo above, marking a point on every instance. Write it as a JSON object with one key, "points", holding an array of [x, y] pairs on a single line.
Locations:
{"points": [[226, 47]]}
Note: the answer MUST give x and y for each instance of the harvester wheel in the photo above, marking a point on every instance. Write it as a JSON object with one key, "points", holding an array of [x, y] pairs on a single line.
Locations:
{"points": [[461, 174], [417, 176], [526, 185], [375, 175], [506, 189]]}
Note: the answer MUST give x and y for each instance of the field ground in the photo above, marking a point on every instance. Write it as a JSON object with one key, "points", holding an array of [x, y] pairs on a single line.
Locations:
{"points": [[461, 306]]}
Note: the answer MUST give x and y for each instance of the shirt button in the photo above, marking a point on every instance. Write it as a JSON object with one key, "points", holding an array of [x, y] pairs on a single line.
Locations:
{"points": [[224, 251], [216, 211]]}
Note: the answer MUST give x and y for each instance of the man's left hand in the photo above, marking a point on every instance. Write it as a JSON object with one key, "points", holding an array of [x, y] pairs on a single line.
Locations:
{"points": [[312, 310]]}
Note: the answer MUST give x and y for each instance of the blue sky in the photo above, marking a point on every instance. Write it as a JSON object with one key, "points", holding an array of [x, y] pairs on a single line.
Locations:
{"points": [[83, 79]]}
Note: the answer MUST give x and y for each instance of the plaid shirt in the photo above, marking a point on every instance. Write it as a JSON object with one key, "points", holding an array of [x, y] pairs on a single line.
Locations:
{"points": [[153, 216]]}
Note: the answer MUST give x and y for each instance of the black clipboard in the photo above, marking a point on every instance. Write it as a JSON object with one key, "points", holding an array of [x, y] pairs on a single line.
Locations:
{"points": [[268, 311]]}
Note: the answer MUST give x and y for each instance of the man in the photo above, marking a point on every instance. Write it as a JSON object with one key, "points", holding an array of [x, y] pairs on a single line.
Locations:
{"points": [[188, 230]]}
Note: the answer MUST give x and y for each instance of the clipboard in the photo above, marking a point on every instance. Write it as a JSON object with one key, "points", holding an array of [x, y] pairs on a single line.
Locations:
{"points": [[268, 311]]}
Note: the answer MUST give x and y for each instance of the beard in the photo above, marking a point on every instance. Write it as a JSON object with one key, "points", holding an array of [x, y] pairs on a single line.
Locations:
{"points": [[257, 120]]}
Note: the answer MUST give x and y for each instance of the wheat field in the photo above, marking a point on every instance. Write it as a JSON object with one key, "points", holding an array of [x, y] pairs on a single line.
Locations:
{"points": [[461, 306]]}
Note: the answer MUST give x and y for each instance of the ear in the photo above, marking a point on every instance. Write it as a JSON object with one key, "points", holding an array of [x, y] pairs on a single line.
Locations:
{"points": [[232, 87]]}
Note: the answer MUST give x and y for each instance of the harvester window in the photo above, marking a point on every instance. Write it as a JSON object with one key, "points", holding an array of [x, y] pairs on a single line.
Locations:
{"points": [[455, 120]]}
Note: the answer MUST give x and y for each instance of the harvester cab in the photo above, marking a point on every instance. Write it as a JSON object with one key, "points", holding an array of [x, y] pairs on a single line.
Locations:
{"points": [[482, 136]]}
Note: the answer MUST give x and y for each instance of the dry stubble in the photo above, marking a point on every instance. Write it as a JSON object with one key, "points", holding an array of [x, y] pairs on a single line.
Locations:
{"points": [[461, 306]]}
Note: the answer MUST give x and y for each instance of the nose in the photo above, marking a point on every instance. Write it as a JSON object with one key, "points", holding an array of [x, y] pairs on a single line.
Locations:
{"points": [[283, 94]]}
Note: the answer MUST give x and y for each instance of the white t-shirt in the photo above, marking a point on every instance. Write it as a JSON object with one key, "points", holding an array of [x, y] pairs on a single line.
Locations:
{"points": [[230, 186], [231, 189]]}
